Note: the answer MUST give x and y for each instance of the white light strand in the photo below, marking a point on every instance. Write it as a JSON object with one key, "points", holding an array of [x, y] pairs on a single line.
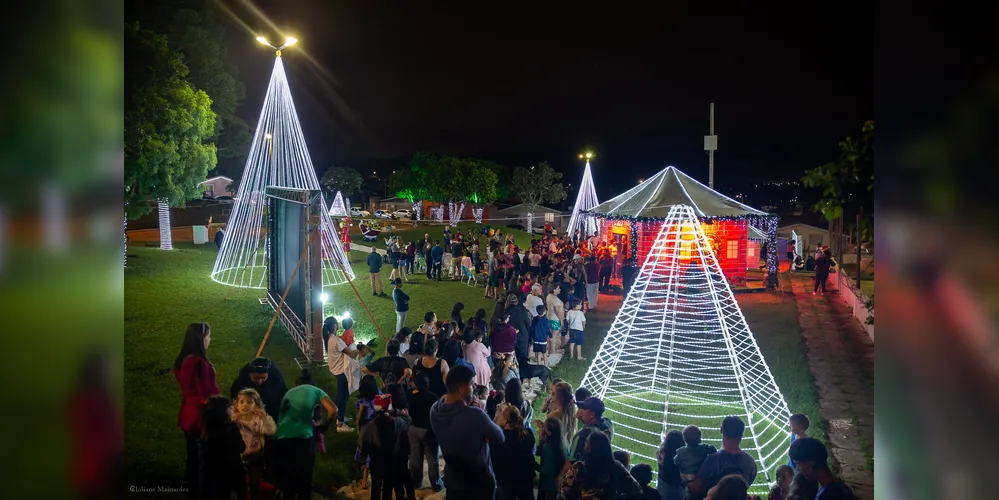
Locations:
{"points": [[417, 211], [278, 157], [477, 213], [166, 238], [454, 213], [530, 223], [437, 213], [586, 199], [124, 239], [338, 209], [680, 352]]}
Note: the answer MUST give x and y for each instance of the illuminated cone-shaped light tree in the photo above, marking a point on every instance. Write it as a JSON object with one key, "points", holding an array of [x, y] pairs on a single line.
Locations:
{"points": [[338, 209], [278, 157], [680, 353], [585, 200]]}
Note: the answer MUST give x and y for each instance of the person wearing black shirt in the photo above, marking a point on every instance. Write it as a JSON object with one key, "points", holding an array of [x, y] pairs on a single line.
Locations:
{"points": [[520, 320], [375, 268], [628, 273], [822, 266], [392, 368], [422, 441], [264, 377], [456, 252]]}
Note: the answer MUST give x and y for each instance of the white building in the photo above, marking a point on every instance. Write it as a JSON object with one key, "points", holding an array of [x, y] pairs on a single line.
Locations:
{"points": [[517, 214], [217, 186]]}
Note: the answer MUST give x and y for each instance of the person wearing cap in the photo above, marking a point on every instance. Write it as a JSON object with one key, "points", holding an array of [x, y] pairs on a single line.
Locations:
{"points": [[264, 377], [591, 414], [382, 441], [401, 304]]}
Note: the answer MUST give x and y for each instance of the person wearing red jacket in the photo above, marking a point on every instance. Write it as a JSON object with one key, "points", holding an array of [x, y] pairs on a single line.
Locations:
{"points": [[196, 377]]}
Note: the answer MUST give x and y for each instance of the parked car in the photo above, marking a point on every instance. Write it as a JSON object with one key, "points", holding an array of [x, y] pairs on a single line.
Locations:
{"points": [[357, 212], [403, 213], [381, 214]]}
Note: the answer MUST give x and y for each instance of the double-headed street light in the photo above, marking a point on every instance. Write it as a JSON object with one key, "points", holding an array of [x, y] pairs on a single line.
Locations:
{"points": [[586, 156], [288, 42]]}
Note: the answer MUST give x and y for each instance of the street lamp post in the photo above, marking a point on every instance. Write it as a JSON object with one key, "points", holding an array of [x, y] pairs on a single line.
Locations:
{"points": [[288, 42]]}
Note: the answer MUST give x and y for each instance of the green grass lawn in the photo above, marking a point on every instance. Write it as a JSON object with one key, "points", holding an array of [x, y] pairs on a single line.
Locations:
{"points": [[772, 317], [164, 291]]}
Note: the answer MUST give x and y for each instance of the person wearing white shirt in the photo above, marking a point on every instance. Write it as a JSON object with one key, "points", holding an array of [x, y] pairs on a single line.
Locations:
{"points": [[342, 363], [577, 323], [534, 300]]}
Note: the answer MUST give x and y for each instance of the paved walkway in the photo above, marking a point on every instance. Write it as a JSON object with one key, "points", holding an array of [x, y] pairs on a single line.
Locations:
{"points": [[841, 357]]}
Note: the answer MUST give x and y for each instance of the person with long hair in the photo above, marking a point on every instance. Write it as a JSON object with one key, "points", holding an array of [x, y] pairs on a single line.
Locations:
{"points": [[255, 425], [602, 476], [552, 448], [196, 376], [456, 315], [515, 397], [513, 459], [562, 407], [434, 367], [669, 473], [498, 310], [222, 447]]}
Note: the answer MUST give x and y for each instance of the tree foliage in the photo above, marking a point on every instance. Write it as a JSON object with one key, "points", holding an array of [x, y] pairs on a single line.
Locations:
{"points": [[848, 181], [442, 178], [344, 179], [193, 30], [168, 125], [538, 184]]}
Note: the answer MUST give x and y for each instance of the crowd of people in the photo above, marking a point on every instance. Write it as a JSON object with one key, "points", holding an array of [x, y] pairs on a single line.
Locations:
{"points": [[455, 389]]}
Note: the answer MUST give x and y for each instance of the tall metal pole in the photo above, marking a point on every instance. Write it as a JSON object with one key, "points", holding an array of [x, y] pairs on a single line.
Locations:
{"points": [[711, 153]]}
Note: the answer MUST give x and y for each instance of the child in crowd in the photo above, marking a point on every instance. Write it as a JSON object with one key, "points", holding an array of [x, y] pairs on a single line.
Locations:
{"points": [[379, 443], [799, 426], [495, 399], [348, 332], [643, 476], [365, 353], [221, 452], [504, 371], [254, 423], [366, 395], [624, 457], [480, 397], [689, 458], [553, 451], [577, 323], [782, 489], [540, 333]]}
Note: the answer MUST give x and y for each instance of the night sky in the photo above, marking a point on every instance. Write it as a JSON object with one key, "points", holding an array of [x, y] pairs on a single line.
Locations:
{"points": [[373, 82]]}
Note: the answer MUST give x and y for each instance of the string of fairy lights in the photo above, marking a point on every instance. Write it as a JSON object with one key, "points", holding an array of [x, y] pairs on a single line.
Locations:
{"points": [[278, 157], [338, 209], [163, 212], [586, 199], [680, 352]]}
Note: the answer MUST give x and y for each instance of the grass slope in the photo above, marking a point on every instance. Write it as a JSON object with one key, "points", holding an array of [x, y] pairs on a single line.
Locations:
{"points": [[164, 291]]}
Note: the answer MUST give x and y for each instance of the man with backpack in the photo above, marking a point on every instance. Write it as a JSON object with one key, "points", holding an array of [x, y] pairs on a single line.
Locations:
{"points": [[728, 460]]}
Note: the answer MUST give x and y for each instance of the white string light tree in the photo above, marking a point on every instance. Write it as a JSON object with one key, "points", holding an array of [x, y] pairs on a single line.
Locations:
{"points": [[680, 353], [585, 200], [278, 157], [338, 209]]}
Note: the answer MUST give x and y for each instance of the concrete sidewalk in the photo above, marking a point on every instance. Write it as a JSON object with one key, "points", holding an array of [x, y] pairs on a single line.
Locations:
{"points": [[841, 359]]}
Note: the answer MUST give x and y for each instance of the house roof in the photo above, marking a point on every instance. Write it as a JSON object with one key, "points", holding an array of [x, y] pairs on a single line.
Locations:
{"points": [[523, 206], [654, 197], [802, 225], [756, 234], [217, 177]]}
